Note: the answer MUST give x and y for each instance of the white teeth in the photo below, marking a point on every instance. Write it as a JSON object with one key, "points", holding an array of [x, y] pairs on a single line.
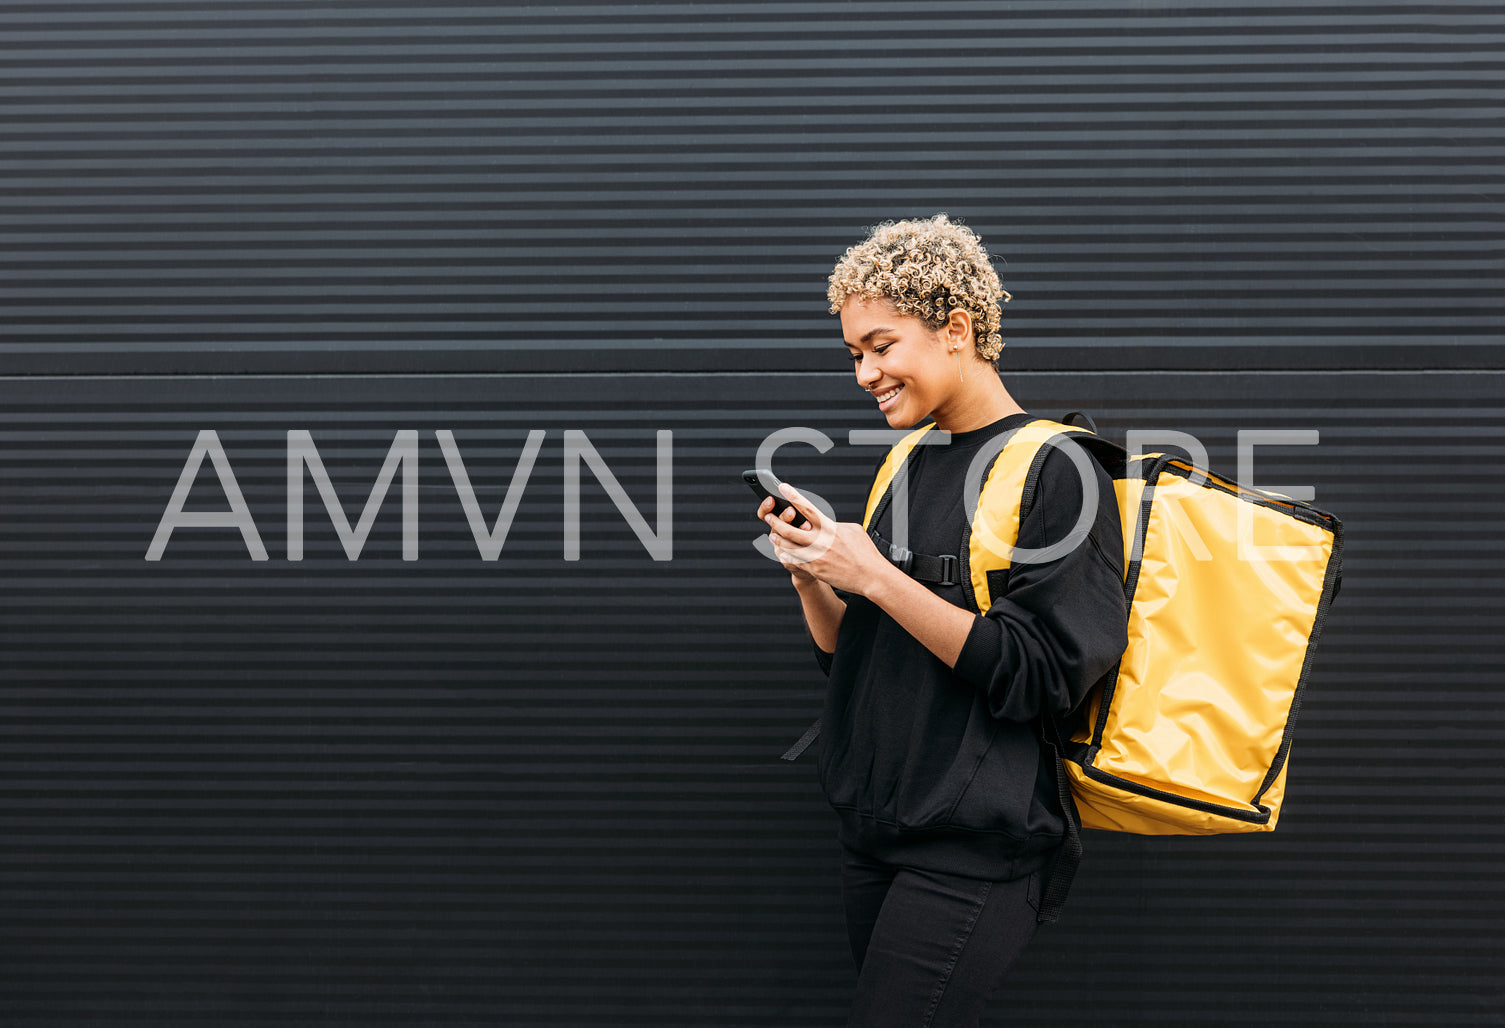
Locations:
{"points": [[885, 397]]}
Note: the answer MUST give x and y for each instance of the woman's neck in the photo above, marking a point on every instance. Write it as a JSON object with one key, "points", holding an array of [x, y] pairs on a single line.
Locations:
{"points": [[978, 405]]}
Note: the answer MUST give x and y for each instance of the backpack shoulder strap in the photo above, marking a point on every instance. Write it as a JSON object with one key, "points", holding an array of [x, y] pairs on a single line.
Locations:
{"points": [[889, 469], [1004, 497]]}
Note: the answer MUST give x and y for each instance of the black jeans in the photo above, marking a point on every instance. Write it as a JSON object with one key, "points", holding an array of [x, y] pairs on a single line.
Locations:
{"points": [[931, 948]]}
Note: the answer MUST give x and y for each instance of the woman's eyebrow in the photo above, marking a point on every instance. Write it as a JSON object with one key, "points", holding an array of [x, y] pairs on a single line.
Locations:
{"points": [[875, 331]]}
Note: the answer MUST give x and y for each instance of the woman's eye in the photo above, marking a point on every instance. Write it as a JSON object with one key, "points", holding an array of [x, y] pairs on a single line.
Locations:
{"points": [[855, 356]]}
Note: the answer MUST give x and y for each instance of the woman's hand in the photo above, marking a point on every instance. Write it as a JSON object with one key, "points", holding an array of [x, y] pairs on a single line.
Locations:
{"points": [[839, 553], [829, 554], [797, 574]]}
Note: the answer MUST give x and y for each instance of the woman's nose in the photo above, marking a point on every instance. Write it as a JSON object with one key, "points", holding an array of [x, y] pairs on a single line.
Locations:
{"points": [[867, 371]]}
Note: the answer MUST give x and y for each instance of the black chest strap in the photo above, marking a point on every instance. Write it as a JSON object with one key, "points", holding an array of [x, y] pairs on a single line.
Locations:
{"points": [[922, 567]]}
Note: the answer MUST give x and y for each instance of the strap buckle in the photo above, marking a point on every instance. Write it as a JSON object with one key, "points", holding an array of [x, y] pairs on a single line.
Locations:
{"points": [[901, 557]]}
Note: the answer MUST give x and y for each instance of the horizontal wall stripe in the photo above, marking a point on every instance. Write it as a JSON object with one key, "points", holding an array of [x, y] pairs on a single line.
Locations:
{"points": [[278, 188]]}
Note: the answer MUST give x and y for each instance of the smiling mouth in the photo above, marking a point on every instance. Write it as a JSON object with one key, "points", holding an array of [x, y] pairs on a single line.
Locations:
{"points": [[884, 397]]}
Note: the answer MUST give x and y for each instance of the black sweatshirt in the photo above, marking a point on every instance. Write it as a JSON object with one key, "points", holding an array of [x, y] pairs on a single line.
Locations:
{"points": [[941, 769]]}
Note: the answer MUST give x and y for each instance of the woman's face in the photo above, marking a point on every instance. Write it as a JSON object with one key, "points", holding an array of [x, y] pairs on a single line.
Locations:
{"points": [[905, 365]]}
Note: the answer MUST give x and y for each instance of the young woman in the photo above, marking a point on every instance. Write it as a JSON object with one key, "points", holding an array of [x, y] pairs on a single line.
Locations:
{"points": [[947, 803]]}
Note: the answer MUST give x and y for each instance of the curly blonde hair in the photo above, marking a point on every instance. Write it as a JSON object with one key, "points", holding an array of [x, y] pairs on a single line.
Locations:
{"points": [[926, 267]]}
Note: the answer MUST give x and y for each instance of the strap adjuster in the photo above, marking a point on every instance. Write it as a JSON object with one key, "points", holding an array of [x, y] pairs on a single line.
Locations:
{"points": [[948, 569]]}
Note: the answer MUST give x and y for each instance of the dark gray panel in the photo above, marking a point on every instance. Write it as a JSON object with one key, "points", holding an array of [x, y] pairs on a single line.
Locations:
{"points": [[377, 186], [545, 792]]}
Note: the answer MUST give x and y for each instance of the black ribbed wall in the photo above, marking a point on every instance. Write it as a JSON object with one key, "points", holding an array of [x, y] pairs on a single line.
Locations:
{"points": [[545, 792]]}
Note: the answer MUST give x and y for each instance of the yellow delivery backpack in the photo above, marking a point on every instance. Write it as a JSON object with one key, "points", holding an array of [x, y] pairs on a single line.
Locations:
{"points": [[1227, 589]]}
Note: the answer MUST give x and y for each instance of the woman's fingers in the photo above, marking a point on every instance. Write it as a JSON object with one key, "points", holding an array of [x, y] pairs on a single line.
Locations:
{"points": [[783, 549], [805, 543], [804, 506], [796, 534], [780, 527]]}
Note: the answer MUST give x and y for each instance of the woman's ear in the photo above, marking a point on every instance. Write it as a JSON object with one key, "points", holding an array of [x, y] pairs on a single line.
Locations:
{"points": [[957, 331]]}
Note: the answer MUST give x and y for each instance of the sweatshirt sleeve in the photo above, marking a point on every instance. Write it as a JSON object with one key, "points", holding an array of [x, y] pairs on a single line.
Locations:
{"points": [[822, 658], [1060, 625]]}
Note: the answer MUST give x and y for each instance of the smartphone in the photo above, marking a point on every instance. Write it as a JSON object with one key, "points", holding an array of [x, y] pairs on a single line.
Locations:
{"points": [[763, 484]]}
